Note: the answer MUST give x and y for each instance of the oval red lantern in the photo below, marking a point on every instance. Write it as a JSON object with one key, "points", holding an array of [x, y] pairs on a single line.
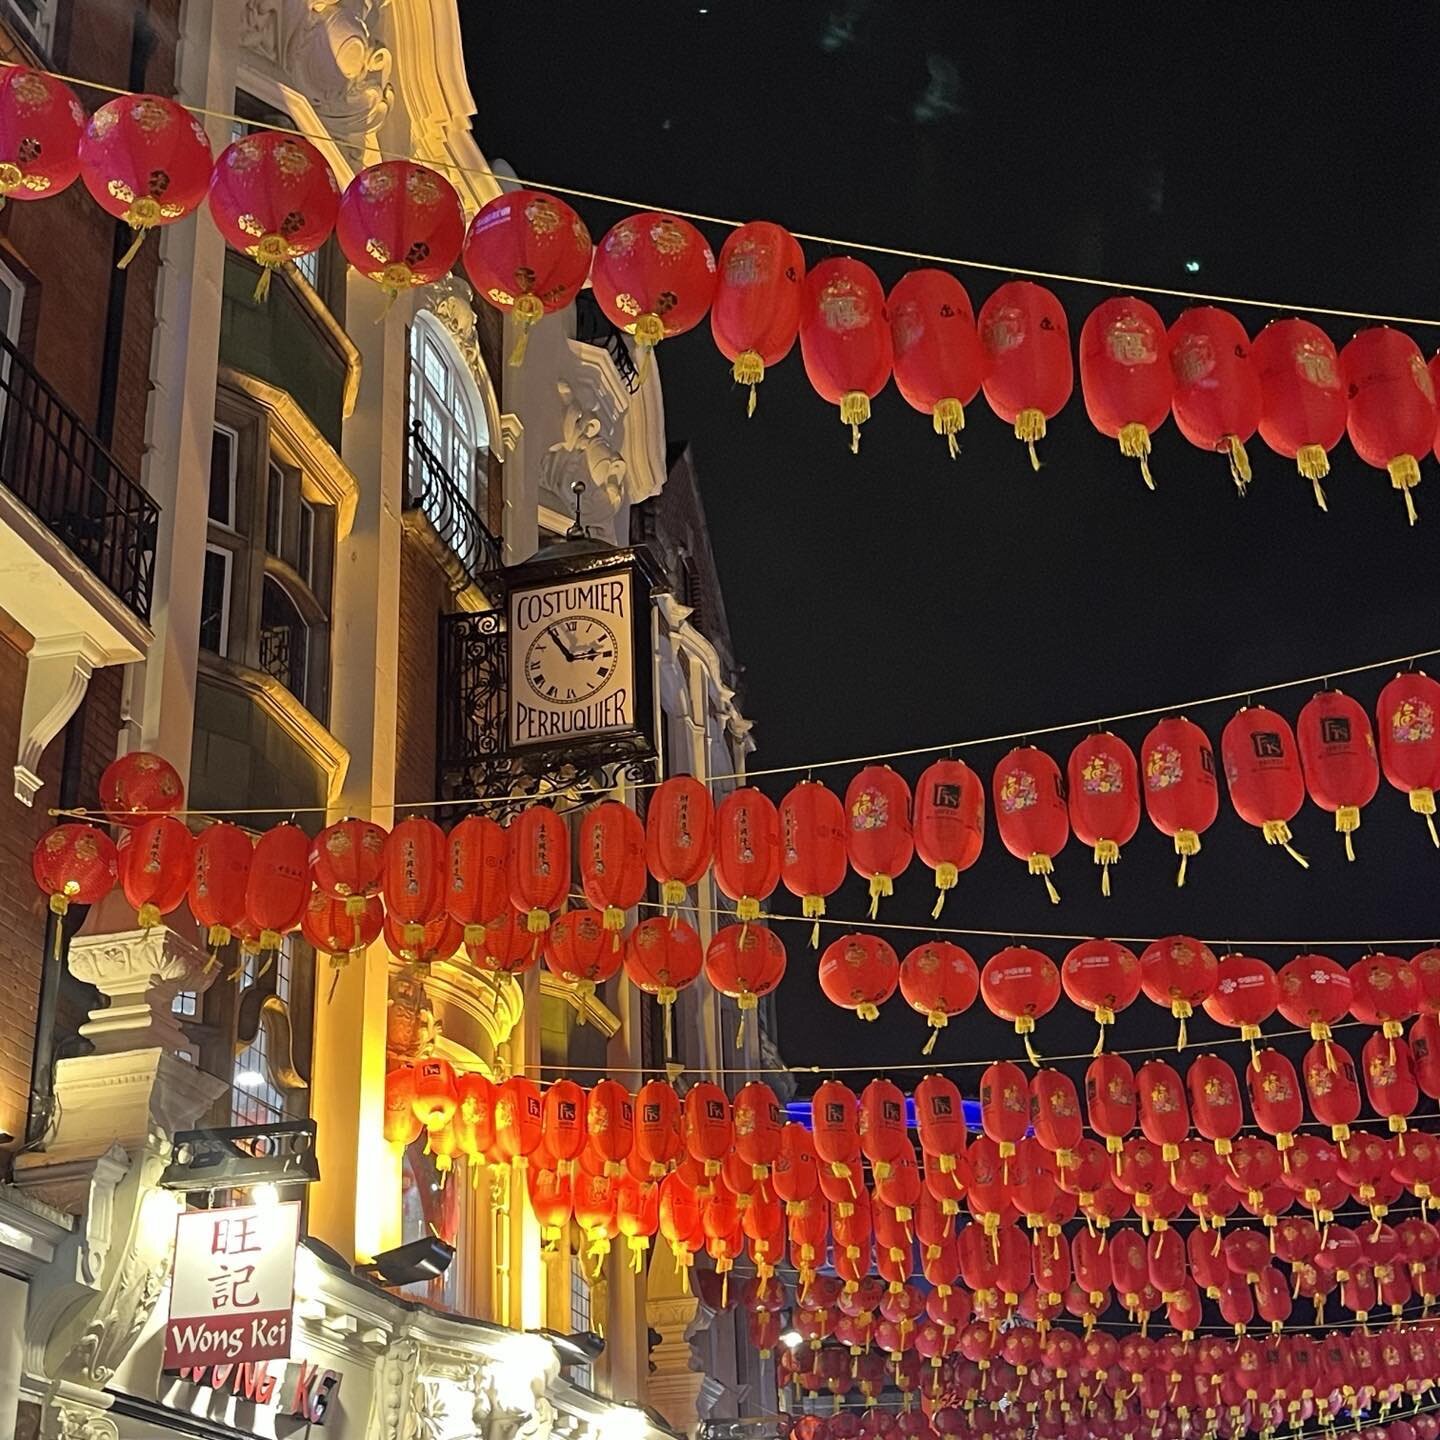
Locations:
{"points": [[1407, 717], [435, 1095], [1314, 991], [477, 890], [1004, 1105], [939, 361], [658, 1140], [580, 951], [346, 862], [413, 875], [1302, 398], [1246, 994], [879, 840], [146, 161], [1214, 1102], [662, 957], [1020, 984], [518, 1126], [949, 827], [551, 1199], [1425, 1052], [137, 785], [610, 1122], [1029, 373], [528, 254], [1333, 1090], [845, 338], [1110, 1100], [505, 945], [77, 864], [758, 1122], [1103, 977], [1216, 402], [563, 1122], [401, 1125], [747, 850], [859, 973], [707, 1125], [1262, 767], [400, 225], [539, 865], [940, 1121], [835, 1121], [679, 836], [883, 1135], [1178, 972], [1182, 797], [332, 930], [1337, 757], [794, 1175], [1030, 811], [745, 962], [1425, 971], [1390, 413], [273, 198], [1104, 785], [612, 861], [1055, 1115], [1275, 1097], [1125, 374], [812, 847], [939, 980], [278, 888], [755, 315], [40, 127], [1383, 993]]}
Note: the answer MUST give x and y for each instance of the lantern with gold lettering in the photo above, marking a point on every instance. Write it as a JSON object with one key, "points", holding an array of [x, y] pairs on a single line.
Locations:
{"points": [[745, 962], [663, 956], [878, 839], [347, 862], [413, 875], [1103, 977], [1302, 399], [1337, 756], [477, 886], [400, 225], [612, 862], [845, 338], [539, 865], [40, 127], [78, 864], [1104, 785], [1030, 811], [278, 887], [747, 850], [939, 980], [1216, 403], [1020, 984], [1182, 797], [1029, 373], [812, 847], [1179, 973], [1125, 375], [859, 973], [755, 315], [679, 836], [1407, 717], [579, 950]]}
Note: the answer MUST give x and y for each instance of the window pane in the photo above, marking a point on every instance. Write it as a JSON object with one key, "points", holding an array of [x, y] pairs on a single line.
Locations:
{"points": [[305, 548], [222, 477], [215, 601], [309, 267], [284, 639], [274, 508]]}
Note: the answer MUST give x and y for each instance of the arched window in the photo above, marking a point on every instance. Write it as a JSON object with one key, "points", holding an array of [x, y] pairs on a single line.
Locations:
{"points": [[445, 411]]}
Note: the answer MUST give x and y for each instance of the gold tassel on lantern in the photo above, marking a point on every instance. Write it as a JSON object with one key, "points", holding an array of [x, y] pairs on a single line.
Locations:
{"points": [[1277, 832], [1182, 1010], [1030, 427], [141, 217], [948, 417], [1405, 476], [945, 877], [748, 369], [1025, 1028], [1422, 802], [1347, 822], [880, 886], [649, 332], [854, 412], [1044, 867], [1187, 843], [812, 907], [1107, 853], [1239, 462], [937, 1020], [526, 312], [1313, 463], [1135, 445]]}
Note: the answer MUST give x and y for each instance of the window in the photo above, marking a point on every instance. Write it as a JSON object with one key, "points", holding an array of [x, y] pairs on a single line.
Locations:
{"points": [[224, 448], [305, 549], [309, 267], [274, 507], [580, 1319], [38, 17], [284, 639], [446, 412], [215, 601]]}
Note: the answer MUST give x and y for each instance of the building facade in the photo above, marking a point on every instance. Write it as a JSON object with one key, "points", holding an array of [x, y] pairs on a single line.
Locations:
{"points": [[295, 511]]}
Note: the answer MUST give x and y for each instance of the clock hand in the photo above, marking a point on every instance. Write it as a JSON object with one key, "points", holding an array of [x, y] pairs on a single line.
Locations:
{"points": [[554, 634]]}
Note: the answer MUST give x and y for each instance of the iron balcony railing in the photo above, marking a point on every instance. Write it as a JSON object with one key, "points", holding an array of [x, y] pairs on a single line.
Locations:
{"points": [[50, 460], [593, 327], [432, 490]]}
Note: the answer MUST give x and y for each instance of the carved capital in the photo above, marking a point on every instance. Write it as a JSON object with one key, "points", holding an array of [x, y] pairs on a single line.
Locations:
{"points": [[70, 1413]]}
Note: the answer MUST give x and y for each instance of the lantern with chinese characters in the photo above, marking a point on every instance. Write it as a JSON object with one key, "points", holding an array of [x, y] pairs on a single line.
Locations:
{"points": [[40, 127], [1214, 1102], [563, 1122], [1180, 973], [1383, 992], [413, 875], [137, 785], [883, 1135], [477, 884], [758, 1121], [78, 864], [527, 253], [658, 1141], [1182, 798], [539, 865], [1302, 398], [662, 957], [1104, 785], [1020, 984], [707, 1125], [1391, 405], [580, 951], [278, 887], [1337, 757], [747, 850], [949, 826], [435, 1095], [273, 198], [400, 225], [610, 1122], [1004, 1105], [679, 836], [1029, 371], [1245, 995], [1390, 1083], [551, 1199], [878, 838], [654, 277], [1103, 977], [1262, 766], [939, 980], [505, 946], [755, 315], [845, 338], [1314, 991], [438, 940], [1216, 403], [940, 1121], [1110, 1100], [612, 862], [939, 361], [745, 962], [402, 1126], [328, 926], [1125, 374], [1275, 1097], [812, 847], [859, 973], [1030, 811], [518, 1125], [1407, 717], [146, 161], [835, 1118], [347, 862]]}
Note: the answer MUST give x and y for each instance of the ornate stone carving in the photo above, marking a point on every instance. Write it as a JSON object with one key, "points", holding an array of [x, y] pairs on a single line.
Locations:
{"points": [[394, 1390], [494, 1420], [586, 455], [68, 1416]]}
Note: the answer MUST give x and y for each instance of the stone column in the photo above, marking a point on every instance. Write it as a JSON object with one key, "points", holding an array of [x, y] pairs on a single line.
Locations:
{"points": [[673, 1388]]}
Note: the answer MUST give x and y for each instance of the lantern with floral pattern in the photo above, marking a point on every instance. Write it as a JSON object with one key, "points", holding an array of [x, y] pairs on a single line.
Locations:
{"points": [[1029, 372], [845, 338], [1104, 786], [1125, 375], [1407, 718], [755, 315], [400, 225], [1182, 797], [1030, 811], [40, 127]]}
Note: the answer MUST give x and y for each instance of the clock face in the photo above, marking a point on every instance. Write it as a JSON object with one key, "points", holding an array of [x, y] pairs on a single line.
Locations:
{"points": [[571, 659]]}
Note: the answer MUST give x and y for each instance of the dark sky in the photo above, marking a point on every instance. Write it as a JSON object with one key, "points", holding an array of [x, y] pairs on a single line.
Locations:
{"points": [[899, 599]]}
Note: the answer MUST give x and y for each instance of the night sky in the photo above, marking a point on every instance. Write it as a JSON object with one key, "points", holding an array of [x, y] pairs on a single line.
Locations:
{"points": [[900, 599]]}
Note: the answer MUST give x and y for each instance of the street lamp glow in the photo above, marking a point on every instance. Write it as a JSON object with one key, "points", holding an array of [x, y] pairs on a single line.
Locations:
{"points": [[792, 1339]]}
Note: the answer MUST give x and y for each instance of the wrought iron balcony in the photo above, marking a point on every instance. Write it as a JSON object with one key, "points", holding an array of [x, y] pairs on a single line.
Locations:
{"points": [[50, 460], [431, 489]]}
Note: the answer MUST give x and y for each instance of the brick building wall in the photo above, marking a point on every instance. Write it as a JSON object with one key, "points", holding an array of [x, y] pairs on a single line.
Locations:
{"points": [[424, 597]]}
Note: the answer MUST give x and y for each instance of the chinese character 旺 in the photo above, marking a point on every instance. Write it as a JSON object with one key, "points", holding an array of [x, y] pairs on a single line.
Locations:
{"points": [[232, 1288], [235, 1236]]}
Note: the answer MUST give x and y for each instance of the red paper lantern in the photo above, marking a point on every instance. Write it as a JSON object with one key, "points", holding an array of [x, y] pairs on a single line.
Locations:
{"points": [[137, 785], [940, 1121], [1104, 784], [400, 225], [1055, 1114], [75, 864], [662, 957], [883, 1136], [612, 861], [1425, 971], [278, 888], [401, 1125], [1103, 977], [1020, 984], [1333, 1089], [518, 1107], [581, 952], [1030, 811], [413, 875], [879, 840], [1262, 766], [505, 946], [949, 823], [1245, 996], [1390, 1082], [1407, 717], [745, 962], [539, 865], [477, 889], [658, 1141], [273, 198], [859, 973], [563, 1122], [610, 1122], [747, 850], [527, 253], [679, 836], [1004, 1105], [1337, 755], [1182, 798], [438, 940], [845, 338], [435, 1094], [1178, 972], [1214, 1102], [1425, 1052], [346, 862], [1110, 1100], [552, 1200], [1384, 993], [755, 315], [794, 1174], [707, 1125], [1314, 991], [1302, 399], [1030, 373], [1391, 405], [812, 847], [1275, 1097], [330, 928], [758, 1121], [1216, 402], [40, 127], [939, 361], [146, 161], [1125, 374], [940, 980]]}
